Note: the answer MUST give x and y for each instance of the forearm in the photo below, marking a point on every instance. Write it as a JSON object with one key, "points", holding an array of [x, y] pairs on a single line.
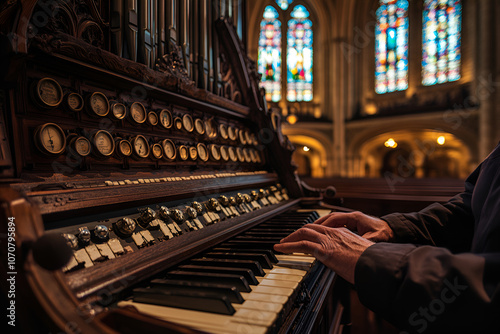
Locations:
{"points": [[449, 224], [428, 288]]}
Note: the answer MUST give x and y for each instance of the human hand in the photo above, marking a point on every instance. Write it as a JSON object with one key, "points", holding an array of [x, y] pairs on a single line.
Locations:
{"points": [[371, 228], [337, 248]]}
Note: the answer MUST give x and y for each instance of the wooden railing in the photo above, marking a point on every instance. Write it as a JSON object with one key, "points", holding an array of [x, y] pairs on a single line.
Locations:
{"points": [[382, 196]]}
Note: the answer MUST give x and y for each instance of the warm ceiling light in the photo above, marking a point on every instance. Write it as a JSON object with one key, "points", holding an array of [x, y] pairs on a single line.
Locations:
{"points": [[292, 119], [390, 143], [371, 109], [306, 149], [440, 140]]}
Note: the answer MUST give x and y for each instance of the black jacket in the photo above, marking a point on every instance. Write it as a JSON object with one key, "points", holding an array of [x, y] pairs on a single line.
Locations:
{"points": [[443, 274]]}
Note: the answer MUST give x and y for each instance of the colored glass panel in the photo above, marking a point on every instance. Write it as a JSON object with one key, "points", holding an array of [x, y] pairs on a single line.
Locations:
{"points": [[391, 46], [441, 41], [269, 58], [284, 3], [299, 56]]}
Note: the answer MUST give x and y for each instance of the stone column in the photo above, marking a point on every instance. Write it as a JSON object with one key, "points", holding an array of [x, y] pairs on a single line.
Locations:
{"points": [[496, 79], [484, 90]]}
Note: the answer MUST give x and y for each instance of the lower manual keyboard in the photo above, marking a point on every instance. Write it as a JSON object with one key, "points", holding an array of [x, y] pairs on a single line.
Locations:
{"points": [[239, 286], [260, 310]]}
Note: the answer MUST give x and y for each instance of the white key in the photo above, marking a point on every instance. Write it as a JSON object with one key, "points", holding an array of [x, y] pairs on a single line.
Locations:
{"points": [[296, 257], [259, 305], [264, 297], [243, 321], [287, 271], [292, 278], [272, 290], [278, 283]]}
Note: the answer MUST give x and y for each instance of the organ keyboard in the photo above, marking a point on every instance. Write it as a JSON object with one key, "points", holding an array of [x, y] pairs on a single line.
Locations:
{"points": [[249, 287], [145, 186]]}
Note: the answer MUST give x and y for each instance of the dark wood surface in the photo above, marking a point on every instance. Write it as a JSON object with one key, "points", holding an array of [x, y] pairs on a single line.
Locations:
{"points": [[65, 199], [381, 196], [123, 272]]}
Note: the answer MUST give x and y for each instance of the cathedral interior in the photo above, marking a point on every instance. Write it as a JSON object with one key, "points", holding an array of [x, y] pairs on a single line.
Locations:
{"points": [[421, 108]]}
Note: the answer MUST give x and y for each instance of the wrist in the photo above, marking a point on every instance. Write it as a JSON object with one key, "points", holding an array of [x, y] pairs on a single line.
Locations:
{"points": [[386, 231]]}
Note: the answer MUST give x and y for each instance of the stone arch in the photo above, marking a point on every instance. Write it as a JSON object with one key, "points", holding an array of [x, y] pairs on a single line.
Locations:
{"points": [[322, 165], [365, 149]]}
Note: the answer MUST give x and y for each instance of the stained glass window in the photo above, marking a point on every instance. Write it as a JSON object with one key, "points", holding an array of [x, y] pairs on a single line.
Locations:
{"points": [[299, 56], [441, 41], [284, 3], [269, 58], [391, 46]]}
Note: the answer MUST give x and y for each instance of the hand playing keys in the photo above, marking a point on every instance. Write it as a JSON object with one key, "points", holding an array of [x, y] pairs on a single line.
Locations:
{"points": [[331, 240]]}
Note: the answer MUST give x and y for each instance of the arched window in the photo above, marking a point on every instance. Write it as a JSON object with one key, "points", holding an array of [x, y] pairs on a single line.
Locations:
{"points": [[297, 81], [299, 56], [391, 46], [441, 41], [269, 59]]}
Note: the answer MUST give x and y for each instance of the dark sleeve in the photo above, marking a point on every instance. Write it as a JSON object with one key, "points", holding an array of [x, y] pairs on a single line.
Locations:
{"points": [[449, 225], [428, 289]]}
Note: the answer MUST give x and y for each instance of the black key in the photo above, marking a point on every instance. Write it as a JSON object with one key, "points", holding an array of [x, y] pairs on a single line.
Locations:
{"points": [[315, 215], [224, 279], [271, 230], [261, 258], [283, 226], [249, 264], [191, 300], [231, 293], [269, 253], [247, 273], [293, 218], [264, 234], [245, 244], [253, 238], [298, 222]]}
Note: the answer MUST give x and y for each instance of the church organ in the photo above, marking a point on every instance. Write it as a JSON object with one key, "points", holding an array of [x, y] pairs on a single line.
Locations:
{"points": [[137, 146]]}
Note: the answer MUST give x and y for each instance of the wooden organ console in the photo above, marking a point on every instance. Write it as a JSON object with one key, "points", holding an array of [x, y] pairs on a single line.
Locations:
{"points": [[143, 178]]}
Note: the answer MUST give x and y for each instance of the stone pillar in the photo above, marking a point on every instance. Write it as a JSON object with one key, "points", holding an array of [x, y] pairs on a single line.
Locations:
{"points": [[484, 91], [496, 79], [338, 108]]}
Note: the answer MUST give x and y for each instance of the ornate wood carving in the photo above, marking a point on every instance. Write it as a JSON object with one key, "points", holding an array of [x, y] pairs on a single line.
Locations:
{"points": [[237, 66], [231, 87], [74, 48], [242, 73], [172, 64], [76, 18], [58, 200]]}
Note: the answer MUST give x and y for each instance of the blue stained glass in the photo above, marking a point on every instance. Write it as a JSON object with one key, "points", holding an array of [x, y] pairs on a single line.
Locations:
{"points": [[441, 41], [284, 3], [269, 58], [299, 56], [391, 46], [391, 38]]}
